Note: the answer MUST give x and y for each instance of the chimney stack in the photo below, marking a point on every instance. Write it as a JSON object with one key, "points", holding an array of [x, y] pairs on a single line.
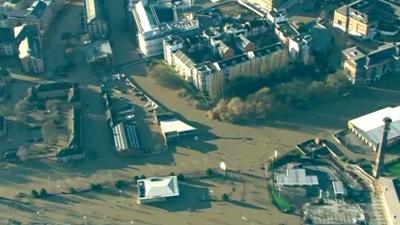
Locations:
{"points": [[380, 158]]}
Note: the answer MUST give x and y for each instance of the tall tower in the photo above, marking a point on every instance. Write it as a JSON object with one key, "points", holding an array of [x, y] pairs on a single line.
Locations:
{"points": [[380, 158]]}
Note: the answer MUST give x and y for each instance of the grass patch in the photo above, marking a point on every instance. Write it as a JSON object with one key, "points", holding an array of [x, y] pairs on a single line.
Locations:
{"points": [[166, 76], [280, 202], [393, 168]]}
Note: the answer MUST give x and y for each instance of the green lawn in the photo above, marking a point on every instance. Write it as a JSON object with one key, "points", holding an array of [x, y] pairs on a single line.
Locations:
{"points": [[280, 202], [393, 169]]}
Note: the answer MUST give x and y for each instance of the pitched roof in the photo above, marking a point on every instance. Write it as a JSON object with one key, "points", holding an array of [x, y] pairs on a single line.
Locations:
{"points": [[185, 59], [158, 187], [382, 53], [372, 124]]}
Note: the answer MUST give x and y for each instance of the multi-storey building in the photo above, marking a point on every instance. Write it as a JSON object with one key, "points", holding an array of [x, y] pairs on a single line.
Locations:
{"points": [[95, 18], [363, 67], [361, 18], [7, 42], [155, 22], [41, 13], [30, 50]]}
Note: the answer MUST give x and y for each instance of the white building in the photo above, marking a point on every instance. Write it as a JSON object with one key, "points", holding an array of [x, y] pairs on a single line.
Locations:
{"points": [[152, 27], [157, 189], [150, 35], [369, 127], [173, 128], [391, 200]]}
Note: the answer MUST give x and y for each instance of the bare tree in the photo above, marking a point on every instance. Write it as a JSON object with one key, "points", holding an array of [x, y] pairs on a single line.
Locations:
{"points": [[53, 105], [21, 111], [22, 153], [49, 132]]}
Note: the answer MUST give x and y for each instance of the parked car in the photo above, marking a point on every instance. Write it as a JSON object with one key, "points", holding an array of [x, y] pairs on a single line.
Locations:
{"points": [[130, 117]]}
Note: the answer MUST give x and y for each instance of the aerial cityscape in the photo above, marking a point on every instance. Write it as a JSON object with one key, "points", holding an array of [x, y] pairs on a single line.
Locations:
{"points": [[200, 112]]}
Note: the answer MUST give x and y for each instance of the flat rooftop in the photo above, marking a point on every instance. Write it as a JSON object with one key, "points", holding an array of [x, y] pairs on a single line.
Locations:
{"points": [[391, 197]]}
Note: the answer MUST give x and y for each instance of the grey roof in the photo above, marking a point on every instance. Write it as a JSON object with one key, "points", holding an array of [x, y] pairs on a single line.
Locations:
{"points": [[268, 49], [158, 187], [354, 53], [382, 53], [98, 50], [185, 59], [44, 87], [361, 10], [126, 137]]}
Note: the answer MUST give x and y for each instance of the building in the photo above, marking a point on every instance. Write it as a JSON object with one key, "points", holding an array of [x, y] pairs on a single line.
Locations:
{"points": [[338, 188], [155, 22], [172, 128], [30, 50], [3, 130], [126, 137], [8, 46], [336, 213], [41, 13], [99, 52], [369, 127], [363, 67], [390, 194], [49, 90], [157, 189], [95, 18], [361, 18], [74, 149], [296, 177], [267, 5], [298, 43]]}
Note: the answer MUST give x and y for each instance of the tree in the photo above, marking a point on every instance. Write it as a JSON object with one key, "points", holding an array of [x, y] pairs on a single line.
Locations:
{"points": [[43, 193], [53, 105], [21, 111], [181, 177], [225, 197], [210, 172], [96, 187], [49, 132], [22, 153], [143, 176], [337, 81], [72, 190], [34, 193], [120, 184], [136, 178]]}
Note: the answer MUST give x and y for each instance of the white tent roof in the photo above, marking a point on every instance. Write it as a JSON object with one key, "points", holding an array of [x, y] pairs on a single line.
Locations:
{"points": [[158, 187], [175, 125], [372, 124]]}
